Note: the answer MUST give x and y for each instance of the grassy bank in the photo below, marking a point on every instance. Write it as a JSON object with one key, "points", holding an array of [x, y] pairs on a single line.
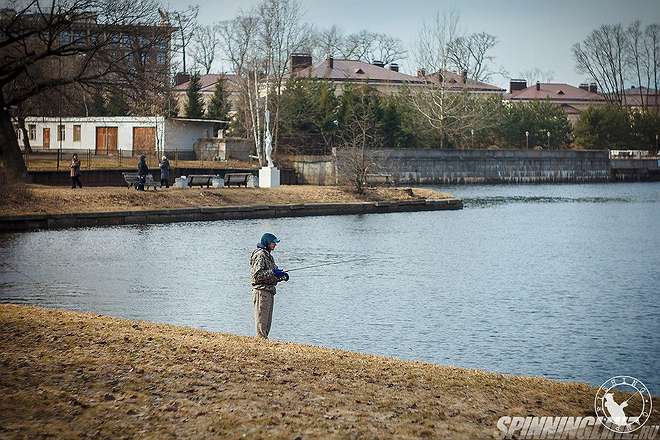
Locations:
{"points": [[73, 375], [37, 199]]}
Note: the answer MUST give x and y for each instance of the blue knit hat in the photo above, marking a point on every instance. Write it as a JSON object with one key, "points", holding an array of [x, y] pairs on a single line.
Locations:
{"points": [[267, 239]]}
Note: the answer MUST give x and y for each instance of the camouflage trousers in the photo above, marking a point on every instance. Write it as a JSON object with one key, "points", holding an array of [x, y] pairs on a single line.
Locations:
{"points": [[263, 312]]}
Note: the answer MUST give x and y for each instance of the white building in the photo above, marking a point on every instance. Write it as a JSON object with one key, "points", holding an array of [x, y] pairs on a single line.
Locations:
{"points": [[125, 135]]}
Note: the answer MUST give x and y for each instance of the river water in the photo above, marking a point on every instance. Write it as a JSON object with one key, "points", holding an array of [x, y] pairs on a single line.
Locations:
{"points": [[561, 281]]}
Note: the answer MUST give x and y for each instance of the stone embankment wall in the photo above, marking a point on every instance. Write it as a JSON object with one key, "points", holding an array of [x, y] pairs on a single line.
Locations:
{"points": [[469, 166]]}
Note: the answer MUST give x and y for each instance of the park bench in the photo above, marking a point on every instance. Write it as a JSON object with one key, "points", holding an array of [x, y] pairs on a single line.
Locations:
{"points": [[132, 180], [200, 180], [379, 179], [237, 179]]}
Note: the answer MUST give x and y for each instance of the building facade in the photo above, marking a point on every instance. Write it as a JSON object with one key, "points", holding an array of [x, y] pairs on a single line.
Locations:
{"points": [[572, 100], [119, 135]]}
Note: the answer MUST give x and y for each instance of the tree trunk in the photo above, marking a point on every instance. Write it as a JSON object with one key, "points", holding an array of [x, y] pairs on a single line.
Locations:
{"points": [[10, 152], [26, 138]]}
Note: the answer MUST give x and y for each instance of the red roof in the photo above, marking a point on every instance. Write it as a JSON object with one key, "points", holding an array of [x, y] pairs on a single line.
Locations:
{"points": [[207, 81], [353, 70], [555, 92], [649, 97], [454, 80]]}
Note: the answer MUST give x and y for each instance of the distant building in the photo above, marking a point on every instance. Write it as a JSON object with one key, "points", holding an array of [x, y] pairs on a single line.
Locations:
{"points": [[459, 82], [385, 79], [572, 100], [343, 72], [125, 135], [641, 98], [208, 83]]}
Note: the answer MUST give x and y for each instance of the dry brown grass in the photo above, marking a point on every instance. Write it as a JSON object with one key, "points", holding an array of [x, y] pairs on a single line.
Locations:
{"points": [[73, 375], [37, 199]]}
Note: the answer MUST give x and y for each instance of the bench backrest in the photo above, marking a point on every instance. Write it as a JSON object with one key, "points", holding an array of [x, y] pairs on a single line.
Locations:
{"points": [[236, 177]]}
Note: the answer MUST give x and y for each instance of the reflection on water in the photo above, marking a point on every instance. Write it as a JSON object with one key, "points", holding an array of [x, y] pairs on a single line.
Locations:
{"points": [[553, 280]]}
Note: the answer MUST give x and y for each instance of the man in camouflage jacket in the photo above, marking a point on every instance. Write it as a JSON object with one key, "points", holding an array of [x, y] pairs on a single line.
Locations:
{"points": [[265, 276]]}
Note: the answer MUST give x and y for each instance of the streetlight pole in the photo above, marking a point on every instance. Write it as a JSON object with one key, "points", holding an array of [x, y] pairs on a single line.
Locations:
{"points": [[548, 139], [527, 140], [657, 153], [472, 133]]}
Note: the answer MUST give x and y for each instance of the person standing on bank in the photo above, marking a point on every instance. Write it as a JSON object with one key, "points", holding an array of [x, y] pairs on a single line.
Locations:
{"points": [[143, 170], [75, 171], [265, 276], [164, 172]]}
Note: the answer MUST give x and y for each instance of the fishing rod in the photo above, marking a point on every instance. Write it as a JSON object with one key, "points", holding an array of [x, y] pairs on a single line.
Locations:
{"points": [[328, 264]]}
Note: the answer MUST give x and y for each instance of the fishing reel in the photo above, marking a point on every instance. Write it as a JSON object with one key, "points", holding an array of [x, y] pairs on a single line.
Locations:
{"points": [[280, 275]]}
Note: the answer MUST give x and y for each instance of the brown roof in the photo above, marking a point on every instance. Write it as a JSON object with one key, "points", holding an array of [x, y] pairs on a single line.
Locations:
{"points": [[207, 81], [454, 80], [649, 97], [353, 70], [555, 92]]}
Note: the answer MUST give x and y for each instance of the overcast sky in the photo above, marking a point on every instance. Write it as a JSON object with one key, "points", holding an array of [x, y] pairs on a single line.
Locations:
{"points": [[530, 33]]}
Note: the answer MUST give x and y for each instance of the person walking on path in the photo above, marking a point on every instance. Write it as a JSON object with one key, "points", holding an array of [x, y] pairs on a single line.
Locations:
{"points": [[143, 170], [75, 171], [164, 172], [265, 276]]}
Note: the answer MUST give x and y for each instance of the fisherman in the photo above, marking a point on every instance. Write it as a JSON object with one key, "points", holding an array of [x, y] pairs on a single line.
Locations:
{"points": [[265, 276]]}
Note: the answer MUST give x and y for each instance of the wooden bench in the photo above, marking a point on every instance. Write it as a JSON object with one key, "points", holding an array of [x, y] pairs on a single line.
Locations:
{"points": [[132, 180], [237, 179], [381, 179], [200, 180]]}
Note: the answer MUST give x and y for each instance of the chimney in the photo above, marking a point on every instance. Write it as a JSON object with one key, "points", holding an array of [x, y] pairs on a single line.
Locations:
{"points": [[378, 63], [517, 84], [331, 62], [593, 88], [464, 76], [538, 86], [421, 73], [181, 78], [584, 86], [394, 67], [300, 61]]}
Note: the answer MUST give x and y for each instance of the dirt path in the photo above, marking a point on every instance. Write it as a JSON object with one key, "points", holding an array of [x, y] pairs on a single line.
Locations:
{"points": [[73, 375], [36, 199]]}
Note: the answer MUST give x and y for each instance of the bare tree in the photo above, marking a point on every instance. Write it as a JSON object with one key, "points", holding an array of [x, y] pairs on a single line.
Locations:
{"points": [[356, 154], [470, 53], [602, 56], [386, 49], [57, 44], [362, 46], [259, 44], [452, 114], [536, 74], [652, 48], [205, 46], [186, 23]]}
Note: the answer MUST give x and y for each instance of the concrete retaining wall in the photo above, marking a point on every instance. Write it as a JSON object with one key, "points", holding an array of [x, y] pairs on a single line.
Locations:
{"points": [[115, 178], [470, 166], [57, 221]]}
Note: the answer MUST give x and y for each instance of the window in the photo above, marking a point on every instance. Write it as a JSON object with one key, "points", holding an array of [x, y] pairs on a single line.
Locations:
{"points": [[76, 133], [60, 132], [161, 58], [32, 131]]}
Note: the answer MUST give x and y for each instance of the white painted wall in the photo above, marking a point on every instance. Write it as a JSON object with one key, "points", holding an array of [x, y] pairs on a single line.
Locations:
{"points": [[124, 124], [180, 135], [171, 134]]}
